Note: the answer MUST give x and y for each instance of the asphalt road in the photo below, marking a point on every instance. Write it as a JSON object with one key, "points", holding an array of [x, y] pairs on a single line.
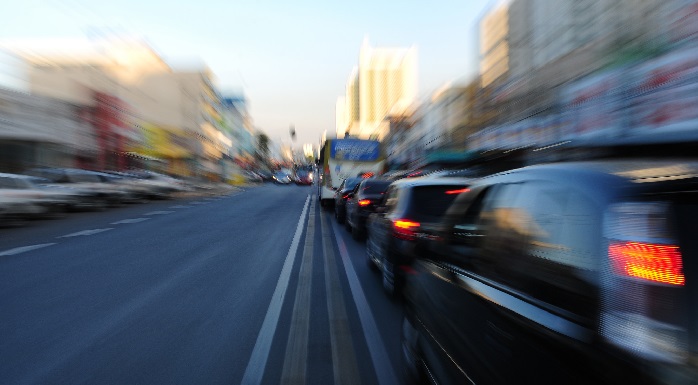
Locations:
{"points": [[256, 287]]}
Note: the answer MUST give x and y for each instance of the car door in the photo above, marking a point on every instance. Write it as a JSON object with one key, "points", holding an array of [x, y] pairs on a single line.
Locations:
{"points": [[351, 204], [455, 331], [385, 223]]}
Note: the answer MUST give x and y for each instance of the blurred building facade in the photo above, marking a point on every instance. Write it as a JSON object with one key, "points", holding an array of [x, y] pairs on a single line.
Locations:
{"points": [[384, 84], [42, 131], [138, 105]]}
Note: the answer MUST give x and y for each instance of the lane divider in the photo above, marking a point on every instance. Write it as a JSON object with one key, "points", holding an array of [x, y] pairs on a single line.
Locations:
{"points": [[258, 359], [86, 232], [296, 358], [345, 368], [19, 250], [376, 347]]}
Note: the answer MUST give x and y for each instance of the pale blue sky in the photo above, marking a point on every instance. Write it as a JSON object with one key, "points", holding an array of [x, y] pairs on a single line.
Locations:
{"points": [[291, 58]]}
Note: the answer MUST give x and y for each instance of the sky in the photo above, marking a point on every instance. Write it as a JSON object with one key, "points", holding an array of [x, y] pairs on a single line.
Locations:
{"points": [[291, 59]]}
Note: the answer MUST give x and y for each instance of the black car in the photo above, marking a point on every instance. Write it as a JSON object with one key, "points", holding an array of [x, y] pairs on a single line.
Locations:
{"points": [[409, 205], [555, 274], [341, 195], [361, 202]]}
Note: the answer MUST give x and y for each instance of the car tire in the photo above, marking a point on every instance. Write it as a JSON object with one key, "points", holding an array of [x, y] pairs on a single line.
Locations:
{"points": [[370, 255], [347, 225], [337, 215], [412, 361], [387, 269], [357, 233]]}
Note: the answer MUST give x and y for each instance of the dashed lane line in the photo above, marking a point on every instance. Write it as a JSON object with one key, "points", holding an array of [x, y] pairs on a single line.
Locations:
{"points": [[24, 249], [128, 221], [86, 232], [179, 207], [162, 212]]}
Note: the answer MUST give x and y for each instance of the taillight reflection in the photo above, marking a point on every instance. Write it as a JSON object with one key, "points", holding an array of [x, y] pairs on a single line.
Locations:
{"points": [[652, 262], [459, 191]]}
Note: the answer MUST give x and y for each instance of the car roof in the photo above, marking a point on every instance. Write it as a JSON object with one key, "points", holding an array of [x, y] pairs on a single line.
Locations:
{"points": [[636, 171], [432, 181]]}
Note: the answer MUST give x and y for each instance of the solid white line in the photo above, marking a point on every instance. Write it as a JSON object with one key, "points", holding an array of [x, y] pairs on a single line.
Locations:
{"points": [[376, 347], [127, 221], [19, 250], [258, 360], [86, 232], [159, 212]]}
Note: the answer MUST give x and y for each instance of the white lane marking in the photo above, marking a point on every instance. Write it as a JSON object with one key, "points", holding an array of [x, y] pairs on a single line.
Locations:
{"points": [[86, 232], [258, 360], [179, 207], [18, 250], [199, 203], [127, 221], [159, 212], [376, 347]]}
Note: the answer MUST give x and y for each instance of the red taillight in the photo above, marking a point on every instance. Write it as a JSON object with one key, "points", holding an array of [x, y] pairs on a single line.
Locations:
{"points": [[405, 229], [364, 202], [449, 192], [652, 262], [367, 175], [346, 196]]}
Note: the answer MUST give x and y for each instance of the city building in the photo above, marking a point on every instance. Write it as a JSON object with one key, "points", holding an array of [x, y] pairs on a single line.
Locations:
{"points": [[384, 84], [146, 107], [494, 44], [38, 131]]}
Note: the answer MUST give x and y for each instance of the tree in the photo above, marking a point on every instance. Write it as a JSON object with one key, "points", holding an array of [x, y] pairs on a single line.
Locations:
{"points": [[263, 149]]}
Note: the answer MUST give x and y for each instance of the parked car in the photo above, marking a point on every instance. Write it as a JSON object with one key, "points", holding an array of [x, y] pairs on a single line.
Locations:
{"points": [[409, 205], [266, 175], [361, 202], [555, 274], [30, 199], [97, 183], [252, 177], [304, 178], [281, 177], [341, 195]]}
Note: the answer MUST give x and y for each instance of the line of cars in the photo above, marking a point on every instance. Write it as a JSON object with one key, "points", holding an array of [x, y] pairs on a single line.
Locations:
{"points": [[52, 192], [578, 272]]}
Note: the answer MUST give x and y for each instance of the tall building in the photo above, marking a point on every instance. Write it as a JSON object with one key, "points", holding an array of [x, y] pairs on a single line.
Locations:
{"points": [[494, 44], [384, 84]]}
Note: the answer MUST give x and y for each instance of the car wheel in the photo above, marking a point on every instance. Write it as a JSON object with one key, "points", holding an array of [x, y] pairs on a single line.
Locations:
{"points": [[388, 275], [339, 217], [413, 363], [347, 225], [357, 233], [370, 255]]}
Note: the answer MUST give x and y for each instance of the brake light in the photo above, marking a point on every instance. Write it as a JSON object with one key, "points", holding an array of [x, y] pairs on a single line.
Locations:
{"points": [[405, 229], [364, 202], [645, 315], [652, 262], [449, 192], [346, 196], [367, 175]]}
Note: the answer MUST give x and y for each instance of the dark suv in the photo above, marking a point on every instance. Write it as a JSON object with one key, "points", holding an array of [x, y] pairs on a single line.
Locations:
{"points": [[409, 205], [342, 195], [362, 201], [558, 274]]}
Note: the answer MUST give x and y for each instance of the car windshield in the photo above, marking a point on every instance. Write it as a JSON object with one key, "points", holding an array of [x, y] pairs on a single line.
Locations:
{"points": [[253, 192]]}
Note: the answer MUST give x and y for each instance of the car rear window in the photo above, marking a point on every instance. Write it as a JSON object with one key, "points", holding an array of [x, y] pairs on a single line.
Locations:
{"points": [[429, 203], [375, 188]]}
